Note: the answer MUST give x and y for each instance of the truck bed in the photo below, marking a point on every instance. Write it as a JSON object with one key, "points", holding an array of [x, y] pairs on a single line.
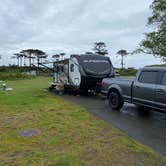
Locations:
{"points": [[123, 82]]}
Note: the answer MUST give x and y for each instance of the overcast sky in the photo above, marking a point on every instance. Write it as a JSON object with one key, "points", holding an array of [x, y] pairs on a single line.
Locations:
{"points": [[72, 26]]}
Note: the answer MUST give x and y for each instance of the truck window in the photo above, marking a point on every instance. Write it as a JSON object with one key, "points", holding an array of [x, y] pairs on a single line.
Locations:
{"points": [[72, 68], [148, 77], [163, 81]]}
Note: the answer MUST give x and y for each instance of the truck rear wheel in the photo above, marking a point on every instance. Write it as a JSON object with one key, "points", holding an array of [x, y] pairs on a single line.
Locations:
{"points": [[115, 101]]}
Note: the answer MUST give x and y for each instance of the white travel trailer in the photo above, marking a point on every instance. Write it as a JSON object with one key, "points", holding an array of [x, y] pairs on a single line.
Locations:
{"points": [[82, 72]]}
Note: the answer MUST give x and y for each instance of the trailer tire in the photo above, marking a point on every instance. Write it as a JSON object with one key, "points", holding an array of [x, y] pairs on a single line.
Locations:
{"points": [[115, 100]]}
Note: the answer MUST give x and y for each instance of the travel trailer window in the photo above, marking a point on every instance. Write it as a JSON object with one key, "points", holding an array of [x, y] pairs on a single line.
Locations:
{"points": [[72, 68]]}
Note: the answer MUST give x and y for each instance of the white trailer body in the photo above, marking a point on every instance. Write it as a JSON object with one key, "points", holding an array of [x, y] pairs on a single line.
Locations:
{"points": [[83, 72]]}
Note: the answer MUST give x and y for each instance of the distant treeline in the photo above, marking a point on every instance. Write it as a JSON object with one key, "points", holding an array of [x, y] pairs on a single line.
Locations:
{"points": [[14, 76], [15, 69], [17, 73], [22, 69], [127, 72]]}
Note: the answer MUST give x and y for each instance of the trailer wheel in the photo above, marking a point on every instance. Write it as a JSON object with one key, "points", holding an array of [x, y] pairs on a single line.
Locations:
{"points": [[115, 100]]}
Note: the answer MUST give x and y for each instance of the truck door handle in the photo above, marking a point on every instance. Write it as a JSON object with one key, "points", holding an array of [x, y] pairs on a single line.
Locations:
{"points": [[137, 86]]}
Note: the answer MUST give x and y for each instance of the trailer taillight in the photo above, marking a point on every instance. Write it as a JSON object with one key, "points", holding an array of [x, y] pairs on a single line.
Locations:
{"points": [[102, 84]]}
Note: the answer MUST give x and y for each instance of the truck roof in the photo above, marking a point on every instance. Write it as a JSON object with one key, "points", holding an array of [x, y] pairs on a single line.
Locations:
{"points": [[154, 68]]}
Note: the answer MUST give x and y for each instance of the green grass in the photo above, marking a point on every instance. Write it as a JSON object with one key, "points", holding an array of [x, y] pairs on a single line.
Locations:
{"points": [[158, 65], [127, 72], [14, 76], [69, 135]]}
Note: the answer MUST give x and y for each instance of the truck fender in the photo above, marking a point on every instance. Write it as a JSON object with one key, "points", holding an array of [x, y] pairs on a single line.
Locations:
{"points": [[115, 88]]}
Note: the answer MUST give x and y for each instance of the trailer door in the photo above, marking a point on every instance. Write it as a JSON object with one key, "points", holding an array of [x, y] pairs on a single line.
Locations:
{"points": [[74, 74]]}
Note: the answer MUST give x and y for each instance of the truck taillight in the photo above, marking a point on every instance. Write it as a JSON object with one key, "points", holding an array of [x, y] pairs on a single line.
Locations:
{"points": [[102, 84]]}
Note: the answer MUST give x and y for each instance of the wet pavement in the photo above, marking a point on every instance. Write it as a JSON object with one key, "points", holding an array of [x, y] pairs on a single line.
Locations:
{"points": [[147, 127]]}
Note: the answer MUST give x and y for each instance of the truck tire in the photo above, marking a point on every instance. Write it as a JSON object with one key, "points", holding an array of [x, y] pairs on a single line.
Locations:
{"points": [[115, 101]]}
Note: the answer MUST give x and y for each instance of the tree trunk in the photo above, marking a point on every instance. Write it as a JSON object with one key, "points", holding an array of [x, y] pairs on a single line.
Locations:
{"points": [[18, 61], [30, 58], [24, 61], [38, 62], [122, 64]]}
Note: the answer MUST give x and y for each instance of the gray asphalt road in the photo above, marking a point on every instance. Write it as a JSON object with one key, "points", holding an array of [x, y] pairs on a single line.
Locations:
{"points": [[147, 128]]}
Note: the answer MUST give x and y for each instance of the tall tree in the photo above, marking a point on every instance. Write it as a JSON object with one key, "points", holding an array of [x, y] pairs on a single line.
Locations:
{"points": [[100, 48], [56, 57], [34, 53], [21, 58], [122, 53], [44, 57], [62, 55], [29, 54], [39, 54], [18, 56], [24, 56], [155, 41]]}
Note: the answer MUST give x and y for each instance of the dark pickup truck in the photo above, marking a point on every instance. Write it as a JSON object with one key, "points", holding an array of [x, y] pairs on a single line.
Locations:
{"points": [[147, 89]]}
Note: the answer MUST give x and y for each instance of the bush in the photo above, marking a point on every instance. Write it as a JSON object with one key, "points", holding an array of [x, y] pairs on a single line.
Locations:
{"points": [[14, 76], [127, 72], [159, 65], [15, 69]]}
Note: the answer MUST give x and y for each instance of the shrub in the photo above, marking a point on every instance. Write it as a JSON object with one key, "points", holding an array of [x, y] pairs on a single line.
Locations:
{"points": [[14, 76], [128, 72]]}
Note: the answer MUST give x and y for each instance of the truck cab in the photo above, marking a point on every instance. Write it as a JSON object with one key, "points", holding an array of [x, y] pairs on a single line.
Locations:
{"points": [[149, 88]]}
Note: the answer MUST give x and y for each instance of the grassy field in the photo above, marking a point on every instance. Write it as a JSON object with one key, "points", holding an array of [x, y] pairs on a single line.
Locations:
{"points": [[14, 76], [127, 72], [69, 135]]}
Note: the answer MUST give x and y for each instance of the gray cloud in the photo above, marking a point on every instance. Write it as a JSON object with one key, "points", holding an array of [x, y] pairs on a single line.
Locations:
{"points": [[73, 26]]}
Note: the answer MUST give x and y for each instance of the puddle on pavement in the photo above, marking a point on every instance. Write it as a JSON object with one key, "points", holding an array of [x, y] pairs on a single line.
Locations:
{"points": [[29, 133], [129, 109]]}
